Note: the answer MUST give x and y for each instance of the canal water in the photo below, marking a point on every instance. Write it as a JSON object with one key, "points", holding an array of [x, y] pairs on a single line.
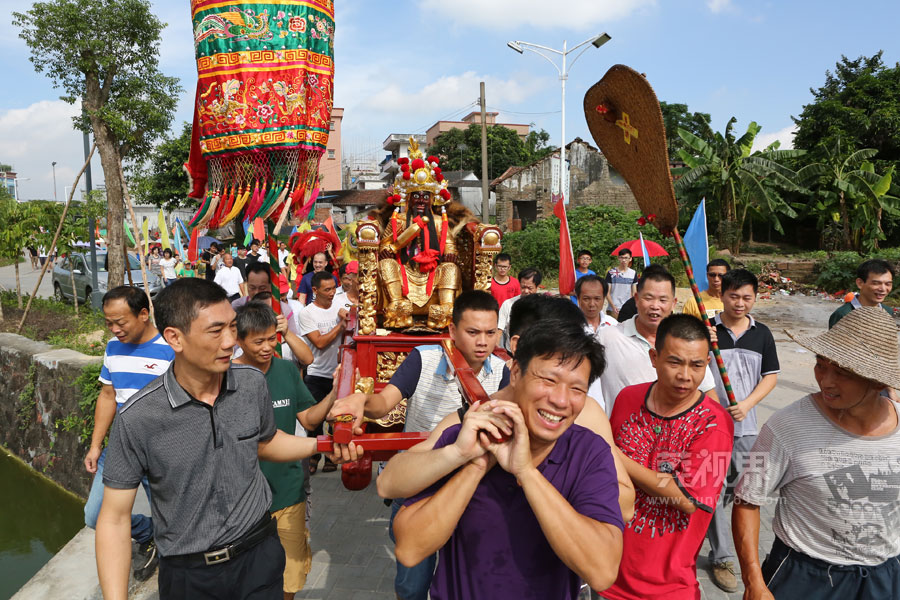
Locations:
{"points": [[37, 519]]}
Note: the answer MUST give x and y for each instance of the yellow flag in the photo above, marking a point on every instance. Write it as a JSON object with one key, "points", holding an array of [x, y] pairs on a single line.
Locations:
{"points": [[163, 231], [145, 231]]}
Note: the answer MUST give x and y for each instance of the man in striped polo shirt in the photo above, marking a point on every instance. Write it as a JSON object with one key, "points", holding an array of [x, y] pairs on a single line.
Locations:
{"points": [[136, 356], [424, 379]]}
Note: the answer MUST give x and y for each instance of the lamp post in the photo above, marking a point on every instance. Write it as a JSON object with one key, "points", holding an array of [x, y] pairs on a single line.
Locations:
{"points": [[521, 47], [53, 164]]}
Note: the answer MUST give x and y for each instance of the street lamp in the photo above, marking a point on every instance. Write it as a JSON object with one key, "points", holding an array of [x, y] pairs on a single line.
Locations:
{"points": [[53, 164], [520, 47]]}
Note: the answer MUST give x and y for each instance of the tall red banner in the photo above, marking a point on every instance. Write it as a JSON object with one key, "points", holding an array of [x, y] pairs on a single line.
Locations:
{"points": [[566, 258]]}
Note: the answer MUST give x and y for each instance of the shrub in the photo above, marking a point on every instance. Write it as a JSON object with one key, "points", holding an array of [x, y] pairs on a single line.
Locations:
{"points": [[599, 229], [838, 271]]}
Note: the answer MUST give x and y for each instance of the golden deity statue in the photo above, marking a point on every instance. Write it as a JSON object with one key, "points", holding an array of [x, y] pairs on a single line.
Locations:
{"points": [[419, 250], [417, 255]]}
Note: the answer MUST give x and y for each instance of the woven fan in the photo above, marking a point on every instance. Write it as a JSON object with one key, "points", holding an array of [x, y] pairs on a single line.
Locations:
{"points": [[626, 122]]}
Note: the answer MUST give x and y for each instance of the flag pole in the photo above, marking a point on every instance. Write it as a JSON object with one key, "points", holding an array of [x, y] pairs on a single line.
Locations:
{"points": [[689, 271]]}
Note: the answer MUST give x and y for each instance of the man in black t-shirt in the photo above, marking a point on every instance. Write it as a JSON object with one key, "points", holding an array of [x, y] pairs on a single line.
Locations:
{"points": [[206, 257], [243, 259]]}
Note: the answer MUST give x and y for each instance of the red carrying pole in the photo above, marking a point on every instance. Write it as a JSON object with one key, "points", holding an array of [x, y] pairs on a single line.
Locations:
{"points": [[682, 251]]}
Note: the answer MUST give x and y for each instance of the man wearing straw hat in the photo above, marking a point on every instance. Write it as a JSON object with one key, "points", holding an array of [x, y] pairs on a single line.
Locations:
{"points": [[833, 457]]}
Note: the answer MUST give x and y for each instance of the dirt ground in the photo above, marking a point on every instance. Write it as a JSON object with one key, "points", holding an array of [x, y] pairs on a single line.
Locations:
{"points": [[38, 326]]}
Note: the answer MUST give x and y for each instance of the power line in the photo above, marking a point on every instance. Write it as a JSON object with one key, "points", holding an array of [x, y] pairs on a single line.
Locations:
{"points": [[513, 112]]}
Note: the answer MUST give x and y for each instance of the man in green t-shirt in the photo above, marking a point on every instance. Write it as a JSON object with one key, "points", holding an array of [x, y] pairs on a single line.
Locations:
{"points": [[874, 278], [291, 401]]}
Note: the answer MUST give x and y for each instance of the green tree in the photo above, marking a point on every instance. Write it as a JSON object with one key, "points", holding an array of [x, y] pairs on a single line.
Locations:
{"points": [[677, 116], [460, 149], [733, 179], [106, 52], [19, 221], [848, 191], [858, 107], [161, 180]]}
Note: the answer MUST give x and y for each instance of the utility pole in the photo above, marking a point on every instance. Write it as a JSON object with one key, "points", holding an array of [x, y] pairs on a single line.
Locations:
{"points": [[485, 184], [53, 164]]}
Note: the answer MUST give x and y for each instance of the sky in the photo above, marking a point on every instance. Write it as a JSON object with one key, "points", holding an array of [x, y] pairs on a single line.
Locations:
{"points": [[401, 66]]}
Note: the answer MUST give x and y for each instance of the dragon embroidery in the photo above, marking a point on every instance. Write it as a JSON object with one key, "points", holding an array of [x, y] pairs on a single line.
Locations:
{"points": [[234, 25]]}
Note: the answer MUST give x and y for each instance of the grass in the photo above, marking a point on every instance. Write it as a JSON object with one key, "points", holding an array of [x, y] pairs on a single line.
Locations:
{"points": [[57, 324], [6, 262]]}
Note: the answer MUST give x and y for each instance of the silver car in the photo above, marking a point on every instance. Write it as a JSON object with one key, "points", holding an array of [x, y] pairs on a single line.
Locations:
{"points": [[79, 264]]}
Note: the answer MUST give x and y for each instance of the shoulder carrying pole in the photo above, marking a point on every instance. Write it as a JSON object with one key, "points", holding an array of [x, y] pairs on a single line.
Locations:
{"points": [[688, 269]]}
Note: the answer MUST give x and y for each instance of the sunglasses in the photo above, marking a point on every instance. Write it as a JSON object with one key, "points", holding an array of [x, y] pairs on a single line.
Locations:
{"points": [[714, 276]]}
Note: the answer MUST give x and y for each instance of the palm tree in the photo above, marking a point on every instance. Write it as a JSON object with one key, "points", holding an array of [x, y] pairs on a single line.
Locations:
{"points": [[735, 178]]}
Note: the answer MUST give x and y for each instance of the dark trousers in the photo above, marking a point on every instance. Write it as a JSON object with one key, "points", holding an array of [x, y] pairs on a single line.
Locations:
{"points": [[319, 387], [790, 575], [254, 575]]}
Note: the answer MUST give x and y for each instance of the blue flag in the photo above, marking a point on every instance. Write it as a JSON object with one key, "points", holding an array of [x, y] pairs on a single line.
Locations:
{"points": [[696, 241], [644, 250]]}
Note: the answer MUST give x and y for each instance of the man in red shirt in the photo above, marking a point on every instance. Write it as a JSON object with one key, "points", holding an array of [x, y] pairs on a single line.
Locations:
{"points": [[503, 287], [677, 446]]}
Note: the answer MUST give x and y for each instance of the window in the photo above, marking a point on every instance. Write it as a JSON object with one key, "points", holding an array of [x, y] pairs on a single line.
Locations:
{"points": [[330, 125], [331, 154]]}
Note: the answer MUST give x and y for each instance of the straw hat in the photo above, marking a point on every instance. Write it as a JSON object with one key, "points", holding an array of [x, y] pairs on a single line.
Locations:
{"points": [[864, 343], [625, 120]]}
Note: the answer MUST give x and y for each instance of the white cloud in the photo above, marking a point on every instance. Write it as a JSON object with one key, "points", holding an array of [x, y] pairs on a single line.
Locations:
{"points": [[785, 136], [451, 92], [33, 137], [509, 14], [717, 6]]}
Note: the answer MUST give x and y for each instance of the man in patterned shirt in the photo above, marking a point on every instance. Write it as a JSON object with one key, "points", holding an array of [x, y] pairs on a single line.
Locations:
{"points": [[830, 463], [677, 444]]}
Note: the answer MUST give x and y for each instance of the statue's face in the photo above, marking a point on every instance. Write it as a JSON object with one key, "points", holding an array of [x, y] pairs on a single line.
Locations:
{"points": [[419, 201]]}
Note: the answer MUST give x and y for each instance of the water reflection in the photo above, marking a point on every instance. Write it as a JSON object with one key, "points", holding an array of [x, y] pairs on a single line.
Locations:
{"points": [[36, 521]]}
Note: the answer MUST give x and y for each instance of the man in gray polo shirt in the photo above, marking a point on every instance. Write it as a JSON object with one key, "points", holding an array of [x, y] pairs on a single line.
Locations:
{"points": [[197, 432]]}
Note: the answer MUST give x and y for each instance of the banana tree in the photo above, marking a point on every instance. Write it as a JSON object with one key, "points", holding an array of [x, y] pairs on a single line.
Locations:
{"points": [[840, 182], [736, 178]]}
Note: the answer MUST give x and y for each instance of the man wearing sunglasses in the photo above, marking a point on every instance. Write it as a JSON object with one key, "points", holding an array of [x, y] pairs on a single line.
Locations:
{"points": [[712, 297]]}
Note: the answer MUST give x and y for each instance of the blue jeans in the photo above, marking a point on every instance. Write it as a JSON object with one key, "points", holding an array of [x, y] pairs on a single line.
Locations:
{"points": [[141, 525], [411, 583]]}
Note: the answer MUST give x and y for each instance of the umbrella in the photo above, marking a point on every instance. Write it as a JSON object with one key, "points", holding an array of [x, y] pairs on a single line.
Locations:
{"points": [[206, 240], [634, 246]]}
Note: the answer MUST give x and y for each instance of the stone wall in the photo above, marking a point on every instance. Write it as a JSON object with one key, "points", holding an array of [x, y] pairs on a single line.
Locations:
{"points": [[28, 421], [590, 183]]}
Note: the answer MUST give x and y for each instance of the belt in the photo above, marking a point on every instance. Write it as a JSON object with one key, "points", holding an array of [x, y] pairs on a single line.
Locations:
{"points": [[264, 528]]}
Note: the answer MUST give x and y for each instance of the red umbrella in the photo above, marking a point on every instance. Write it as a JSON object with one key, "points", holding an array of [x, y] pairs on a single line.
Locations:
{"points": [[634, 246]]}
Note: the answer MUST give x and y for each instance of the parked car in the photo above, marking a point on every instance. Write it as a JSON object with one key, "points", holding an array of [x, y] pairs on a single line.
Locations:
{"points": [[79, 264]]}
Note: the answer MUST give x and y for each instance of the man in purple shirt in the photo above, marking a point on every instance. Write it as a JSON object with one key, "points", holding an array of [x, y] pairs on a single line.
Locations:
{"points": [[532, 516]]}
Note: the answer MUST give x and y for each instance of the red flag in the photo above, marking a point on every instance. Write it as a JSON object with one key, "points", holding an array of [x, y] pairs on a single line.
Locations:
{"points": [[193, 250], [329, 225], [566, 259]]}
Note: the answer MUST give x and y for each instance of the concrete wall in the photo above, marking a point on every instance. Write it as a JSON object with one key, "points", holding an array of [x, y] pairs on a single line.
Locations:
{"points": [[28, 423], [590, 181]]}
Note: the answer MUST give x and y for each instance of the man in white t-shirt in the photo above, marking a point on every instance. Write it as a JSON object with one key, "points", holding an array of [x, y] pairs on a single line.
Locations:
{"points": [[322, 325], [529, 280], [230, 279], [628, 344], [622, 282]]}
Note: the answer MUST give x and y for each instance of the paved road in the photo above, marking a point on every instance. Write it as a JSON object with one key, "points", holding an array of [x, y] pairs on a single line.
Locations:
{"points": [[28, 278]]}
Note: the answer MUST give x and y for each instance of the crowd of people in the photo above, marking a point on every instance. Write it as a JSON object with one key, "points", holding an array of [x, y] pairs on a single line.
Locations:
{"points": [[607, 453]]}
